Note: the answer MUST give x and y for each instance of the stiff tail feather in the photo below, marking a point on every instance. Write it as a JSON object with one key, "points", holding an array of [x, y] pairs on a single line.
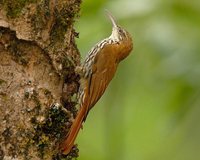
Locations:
{"points": [[68, 143]]}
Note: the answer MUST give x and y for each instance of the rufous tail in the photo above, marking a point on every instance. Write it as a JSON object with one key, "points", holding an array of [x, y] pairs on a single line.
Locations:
{"points": [[68, 143]]}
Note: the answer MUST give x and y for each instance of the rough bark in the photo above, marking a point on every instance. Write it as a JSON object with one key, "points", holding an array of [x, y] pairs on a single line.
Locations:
{"points": [[38, 84]]}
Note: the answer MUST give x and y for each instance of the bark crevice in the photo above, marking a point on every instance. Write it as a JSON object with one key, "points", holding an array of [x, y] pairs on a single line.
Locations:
{"points": [[38, 85]]}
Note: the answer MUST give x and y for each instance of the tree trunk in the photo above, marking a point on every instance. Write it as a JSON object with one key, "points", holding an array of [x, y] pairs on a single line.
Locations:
{"points": [[38, 84]]}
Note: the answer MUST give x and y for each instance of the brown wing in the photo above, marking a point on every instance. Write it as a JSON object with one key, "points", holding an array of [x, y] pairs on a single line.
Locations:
{"points": [[104, 68], [103, 71]]}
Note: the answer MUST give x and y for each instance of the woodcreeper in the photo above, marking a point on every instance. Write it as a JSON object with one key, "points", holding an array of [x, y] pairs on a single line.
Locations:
{"points": [[96, 72]]}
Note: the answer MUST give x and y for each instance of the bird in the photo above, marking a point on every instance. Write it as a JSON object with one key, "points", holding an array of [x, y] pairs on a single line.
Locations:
{"points": [[96, 72]]}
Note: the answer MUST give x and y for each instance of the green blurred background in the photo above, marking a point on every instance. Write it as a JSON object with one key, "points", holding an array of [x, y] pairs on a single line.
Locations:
{"points": [[151, 110]]}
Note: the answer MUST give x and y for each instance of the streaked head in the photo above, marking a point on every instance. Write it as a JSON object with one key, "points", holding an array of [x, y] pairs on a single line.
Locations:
{"points": [[118, 33], [122, 37]]}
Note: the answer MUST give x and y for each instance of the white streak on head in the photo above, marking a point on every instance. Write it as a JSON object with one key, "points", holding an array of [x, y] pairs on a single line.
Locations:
{"points": [[115, 34]]}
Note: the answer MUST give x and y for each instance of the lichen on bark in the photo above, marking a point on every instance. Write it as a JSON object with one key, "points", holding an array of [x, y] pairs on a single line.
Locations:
{"points": [[38, 84]]}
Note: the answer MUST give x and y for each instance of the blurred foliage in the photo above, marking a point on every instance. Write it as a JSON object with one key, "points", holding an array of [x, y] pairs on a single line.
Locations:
{"points": [[151, 109]]}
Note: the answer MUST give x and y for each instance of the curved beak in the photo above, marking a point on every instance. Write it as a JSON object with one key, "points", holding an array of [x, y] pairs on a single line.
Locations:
{"points": [[112, 19]]}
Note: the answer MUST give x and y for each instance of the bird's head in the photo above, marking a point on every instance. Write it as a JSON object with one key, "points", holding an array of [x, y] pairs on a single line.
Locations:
{"points": [[118, 33], [122, 37]]}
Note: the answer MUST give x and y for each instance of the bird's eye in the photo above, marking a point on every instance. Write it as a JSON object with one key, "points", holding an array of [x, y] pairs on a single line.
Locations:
{"points": [[122, 33], [120, 30]]}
